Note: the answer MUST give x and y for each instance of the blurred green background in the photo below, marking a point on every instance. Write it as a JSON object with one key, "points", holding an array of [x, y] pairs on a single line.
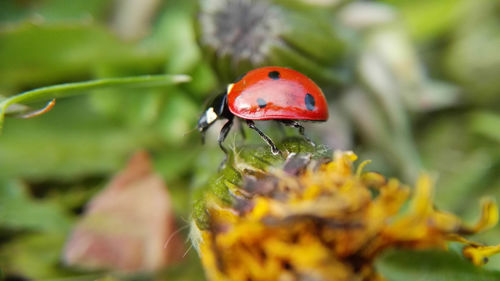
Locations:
{"points": [[412, 85]]}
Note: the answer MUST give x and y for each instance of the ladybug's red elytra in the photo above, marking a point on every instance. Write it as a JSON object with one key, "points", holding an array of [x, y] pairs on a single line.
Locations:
{"points": [[267, 93]]}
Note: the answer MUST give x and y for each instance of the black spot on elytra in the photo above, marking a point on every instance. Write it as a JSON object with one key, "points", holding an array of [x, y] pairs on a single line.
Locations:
{"points": [[310, 102], [275, 75], [262, 103]]}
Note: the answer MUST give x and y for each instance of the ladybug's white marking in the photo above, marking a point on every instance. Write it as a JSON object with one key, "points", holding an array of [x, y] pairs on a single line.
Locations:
{"points": [[229, 88], [211, 115]]}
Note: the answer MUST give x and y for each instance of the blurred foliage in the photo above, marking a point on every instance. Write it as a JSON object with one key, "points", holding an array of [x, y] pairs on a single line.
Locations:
{"points": [[412, 85], [405, 265]]}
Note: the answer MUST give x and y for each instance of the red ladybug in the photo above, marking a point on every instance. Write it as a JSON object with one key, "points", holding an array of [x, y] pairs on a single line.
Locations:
{"points": [[276, 93]]}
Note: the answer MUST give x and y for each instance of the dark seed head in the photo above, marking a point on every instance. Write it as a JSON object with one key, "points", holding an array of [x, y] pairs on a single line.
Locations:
{"points": [[245, 30]]}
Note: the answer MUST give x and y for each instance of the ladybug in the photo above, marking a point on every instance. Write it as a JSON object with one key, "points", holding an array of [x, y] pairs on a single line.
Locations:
{"points": [[267, 93]]}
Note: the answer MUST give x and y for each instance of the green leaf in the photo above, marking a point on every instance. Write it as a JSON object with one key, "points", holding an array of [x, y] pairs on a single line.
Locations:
{"points": [[43, 53], [69, 89], [76, 143], [428, 19], [53, 10], [34, 256], [175, 32], [486, 124], [20, 212], [177, 117], [431, 266], [59, 10]]}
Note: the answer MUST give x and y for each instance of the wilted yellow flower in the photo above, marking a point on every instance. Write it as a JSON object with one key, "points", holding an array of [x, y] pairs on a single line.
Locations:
{"points": [[325, 220]]}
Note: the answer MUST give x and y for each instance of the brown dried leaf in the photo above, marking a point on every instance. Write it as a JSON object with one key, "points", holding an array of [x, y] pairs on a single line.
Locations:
{"points": [[125, 227]]}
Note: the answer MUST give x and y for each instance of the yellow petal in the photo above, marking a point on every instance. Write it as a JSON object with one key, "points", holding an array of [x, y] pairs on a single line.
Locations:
{"points": [[479, 254], [489, 215]]}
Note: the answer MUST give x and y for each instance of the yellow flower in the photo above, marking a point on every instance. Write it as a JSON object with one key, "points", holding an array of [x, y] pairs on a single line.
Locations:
{"points": [[324, 220]]}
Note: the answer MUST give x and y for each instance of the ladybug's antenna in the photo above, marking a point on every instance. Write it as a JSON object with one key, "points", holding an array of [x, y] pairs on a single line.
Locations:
{"points": [[190, 131], [202, 133]]}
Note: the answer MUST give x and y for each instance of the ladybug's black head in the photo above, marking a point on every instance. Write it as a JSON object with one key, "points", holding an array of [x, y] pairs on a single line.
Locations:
{"points": [[217, 109]]}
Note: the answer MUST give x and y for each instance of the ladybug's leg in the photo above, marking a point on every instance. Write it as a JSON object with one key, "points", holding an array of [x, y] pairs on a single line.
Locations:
{"points": [[222, 136], [295, 124], [252, 126]]}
